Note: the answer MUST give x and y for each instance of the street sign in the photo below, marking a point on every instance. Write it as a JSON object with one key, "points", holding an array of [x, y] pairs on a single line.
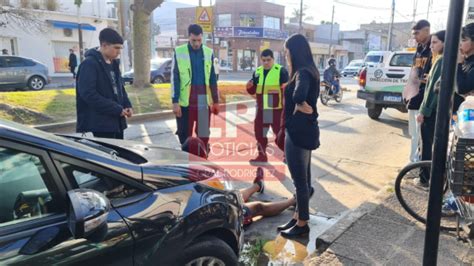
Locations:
{"points": [[204, 18]]}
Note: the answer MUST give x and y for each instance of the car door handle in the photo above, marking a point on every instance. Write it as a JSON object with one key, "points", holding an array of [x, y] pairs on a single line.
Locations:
{"points": [[395, 76]]}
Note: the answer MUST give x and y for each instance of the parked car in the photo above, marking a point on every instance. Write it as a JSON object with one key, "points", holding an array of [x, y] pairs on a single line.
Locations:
{"points": [[85, 201], [160, 72], [353, 68], [381, 86], [19, 72]]}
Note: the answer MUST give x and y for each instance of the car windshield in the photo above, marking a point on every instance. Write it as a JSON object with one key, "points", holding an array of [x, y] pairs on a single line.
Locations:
{"points": [[113, 151], [373, 59], [157, 63], [402, 60], [355, 64]]}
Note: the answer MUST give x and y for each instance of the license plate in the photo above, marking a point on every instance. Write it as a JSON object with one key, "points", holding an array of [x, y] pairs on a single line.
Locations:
{"points": [[392, 98]]}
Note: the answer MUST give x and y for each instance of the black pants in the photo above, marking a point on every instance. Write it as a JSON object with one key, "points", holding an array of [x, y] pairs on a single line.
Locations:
{"points": [[263, 121], [427, 135], [299, 164], [108, 135], [197, 120], [73, 71]]}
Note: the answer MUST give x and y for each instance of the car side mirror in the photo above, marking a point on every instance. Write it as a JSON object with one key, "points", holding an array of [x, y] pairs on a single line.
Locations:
{"points": [[88, 213]]}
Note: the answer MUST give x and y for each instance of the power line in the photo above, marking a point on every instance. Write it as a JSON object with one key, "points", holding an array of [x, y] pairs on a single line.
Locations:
{"points": [[360, 6]]}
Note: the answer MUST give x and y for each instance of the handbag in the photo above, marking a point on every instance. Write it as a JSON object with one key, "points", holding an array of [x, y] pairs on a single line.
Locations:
{"points": [[412, 88]]}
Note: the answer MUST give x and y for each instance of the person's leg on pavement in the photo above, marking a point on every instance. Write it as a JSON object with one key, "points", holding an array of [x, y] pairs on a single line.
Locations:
{"points": [[182, 124], [203, 124], [260, 131], [427, 135], [414, 131], [268, 209], [297, 160], [335, 84], [249, 191]]}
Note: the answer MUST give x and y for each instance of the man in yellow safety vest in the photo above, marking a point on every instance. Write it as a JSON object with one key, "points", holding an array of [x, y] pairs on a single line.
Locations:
{"points": [[267, 83], [194, 87]]}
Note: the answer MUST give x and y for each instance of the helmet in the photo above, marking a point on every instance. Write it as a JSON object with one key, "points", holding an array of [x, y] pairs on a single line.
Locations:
{"points": [[332, 62]]}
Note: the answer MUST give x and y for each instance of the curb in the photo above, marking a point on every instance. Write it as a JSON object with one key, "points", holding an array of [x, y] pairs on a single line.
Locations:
{"points": [[166, 114], [333, 233]]}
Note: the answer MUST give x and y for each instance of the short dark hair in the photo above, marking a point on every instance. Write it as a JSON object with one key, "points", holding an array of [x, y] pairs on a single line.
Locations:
{"points": [[468, 31], [421, 24], [110, 36], [194, 29], [267, 52]]}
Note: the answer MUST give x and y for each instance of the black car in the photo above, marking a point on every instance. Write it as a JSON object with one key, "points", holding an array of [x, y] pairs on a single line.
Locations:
{"points": [[72, 200], [160, 72]]}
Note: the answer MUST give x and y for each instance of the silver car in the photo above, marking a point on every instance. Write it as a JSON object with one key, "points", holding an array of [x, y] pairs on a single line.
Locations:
{"points": [[18, 73]]}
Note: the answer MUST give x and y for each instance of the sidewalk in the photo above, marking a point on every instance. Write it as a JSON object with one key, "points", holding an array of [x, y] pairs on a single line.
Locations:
{"points": [[381, 232], [61, 82]]}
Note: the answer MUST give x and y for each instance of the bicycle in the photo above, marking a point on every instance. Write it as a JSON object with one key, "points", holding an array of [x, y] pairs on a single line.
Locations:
{"points": [[458, 180]]}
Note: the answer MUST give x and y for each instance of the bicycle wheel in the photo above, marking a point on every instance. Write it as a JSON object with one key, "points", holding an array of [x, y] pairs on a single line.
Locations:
{"points": [[414, 199]]}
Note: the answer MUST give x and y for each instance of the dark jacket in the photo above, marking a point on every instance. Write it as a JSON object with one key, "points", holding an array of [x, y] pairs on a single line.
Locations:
{"points": [[72, 60], [330, 73], [422, 62], [274, 97], [464, 80], [98, 107], [198, 86], [302, 128]]}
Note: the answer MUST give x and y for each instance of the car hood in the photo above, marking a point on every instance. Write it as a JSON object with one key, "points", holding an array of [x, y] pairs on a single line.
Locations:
{"points": [[166, 167]]}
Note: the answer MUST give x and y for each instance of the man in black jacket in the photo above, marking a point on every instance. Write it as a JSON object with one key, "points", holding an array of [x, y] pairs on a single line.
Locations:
{"points": [[422, 64], [102, 102], [72, 62]]}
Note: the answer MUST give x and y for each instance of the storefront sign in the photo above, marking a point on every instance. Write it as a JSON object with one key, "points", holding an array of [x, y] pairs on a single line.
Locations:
{"points": [[224, 31], [248, 32], [275, 34]]}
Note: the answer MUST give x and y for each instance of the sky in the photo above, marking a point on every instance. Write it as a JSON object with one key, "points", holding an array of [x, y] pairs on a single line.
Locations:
{"points": [[351, 13]]}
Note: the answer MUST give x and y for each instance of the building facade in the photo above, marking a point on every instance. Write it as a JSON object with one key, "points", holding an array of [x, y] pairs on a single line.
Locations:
{"points": [[359, 42], [242, 30], [401, 34], [56, 30]]}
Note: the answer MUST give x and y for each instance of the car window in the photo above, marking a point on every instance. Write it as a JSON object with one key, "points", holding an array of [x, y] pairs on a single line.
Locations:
{"points": [[28, 62], [374, 59], [402, 60], [15, 62], [110, 187], [24, 194], [3, 63]]}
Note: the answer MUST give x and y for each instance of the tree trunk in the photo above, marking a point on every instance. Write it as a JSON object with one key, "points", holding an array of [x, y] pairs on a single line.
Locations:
{"points": [[141, 45]]}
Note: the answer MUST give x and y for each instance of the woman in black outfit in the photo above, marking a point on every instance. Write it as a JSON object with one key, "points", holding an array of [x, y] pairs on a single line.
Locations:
{"points": [[465, 75], [301, 127]]}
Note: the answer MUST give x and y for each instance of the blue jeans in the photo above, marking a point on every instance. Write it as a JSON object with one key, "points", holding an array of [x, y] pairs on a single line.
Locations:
{"points": [[299, 164], [336, 85]]}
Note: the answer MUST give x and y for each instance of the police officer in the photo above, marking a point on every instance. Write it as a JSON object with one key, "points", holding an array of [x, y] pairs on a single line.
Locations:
{"points": [[194, 86], [267, 83]]}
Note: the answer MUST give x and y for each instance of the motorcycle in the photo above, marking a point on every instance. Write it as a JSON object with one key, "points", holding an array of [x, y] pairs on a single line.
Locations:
{"points": [[327, 93]]}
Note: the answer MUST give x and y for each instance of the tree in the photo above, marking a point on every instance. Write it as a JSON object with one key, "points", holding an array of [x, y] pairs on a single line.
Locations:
{"points": [[295, 14], [142, 10], [155, 29], [20, 19]]}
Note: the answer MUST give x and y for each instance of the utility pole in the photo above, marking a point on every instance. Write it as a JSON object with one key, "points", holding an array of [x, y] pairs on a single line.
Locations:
{"points": [[430, 2], [79, 30], [330, 34], [415, 6], [390, 30], [212, 24], [301, 17]]}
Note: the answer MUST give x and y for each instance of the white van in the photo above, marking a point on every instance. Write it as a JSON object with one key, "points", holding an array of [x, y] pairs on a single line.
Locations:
{"points": [[377, 58]]}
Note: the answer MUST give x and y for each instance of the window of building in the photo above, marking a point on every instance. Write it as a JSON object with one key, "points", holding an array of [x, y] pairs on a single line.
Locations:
{"points": [[271, 23], [248, 20], [224, 20]]}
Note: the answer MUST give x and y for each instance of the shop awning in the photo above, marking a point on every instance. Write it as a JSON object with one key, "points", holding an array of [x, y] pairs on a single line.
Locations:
{"points": [[71, 25]]}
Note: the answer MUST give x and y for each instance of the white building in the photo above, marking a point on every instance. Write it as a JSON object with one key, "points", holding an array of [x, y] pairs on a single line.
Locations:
{"points": [[60, 30]]}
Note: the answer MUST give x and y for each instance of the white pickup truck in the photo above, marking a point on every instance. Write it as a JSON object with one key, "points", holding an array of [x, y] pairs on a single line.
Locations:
{"points": [[381, 84]]}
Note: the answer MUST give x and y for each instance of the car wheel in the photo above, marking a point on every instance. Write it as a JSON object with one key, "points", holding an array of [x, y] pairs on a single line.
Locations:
{"points": [[375, 112], [158, 80], [36, 83], [209, 251]]}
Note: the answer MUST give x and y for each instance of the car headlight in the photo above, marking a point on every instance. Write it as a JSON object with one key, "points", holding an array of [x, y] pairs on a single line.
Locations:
{"points": [[220, 180]]}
